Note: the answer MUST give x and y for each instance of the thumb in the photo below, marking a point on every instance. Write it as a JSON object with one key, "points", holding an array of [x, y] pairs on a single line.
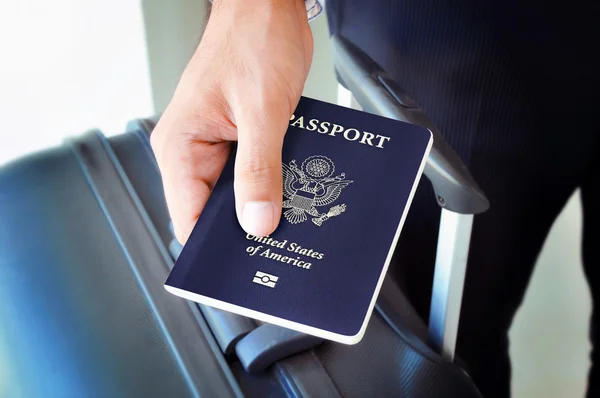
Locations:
{"points": [[258, 176]]}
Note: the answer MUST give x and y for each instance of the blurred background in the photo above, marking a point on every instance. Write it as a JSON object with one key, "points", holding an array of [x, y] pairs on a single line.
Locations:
{"points": [[67, 66]]}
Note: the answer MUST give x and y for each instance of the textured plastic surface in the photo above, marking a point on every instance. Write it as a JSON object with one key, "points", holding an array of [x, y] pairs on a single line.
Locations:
{"points": [[384, 364], [378, 93], [268, 344]]}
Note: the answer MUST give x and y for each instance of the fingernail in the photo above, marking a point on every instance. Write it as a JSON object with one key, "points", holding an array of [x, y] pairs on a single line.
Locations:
{"points": [[258, 218]]}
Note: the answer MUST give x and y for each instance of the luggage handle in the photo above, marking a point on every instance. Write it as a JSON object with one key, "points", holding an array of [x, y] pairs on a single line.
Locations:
{"points": [[378, 93], [448, 281], [457, 193], [269, 343]]}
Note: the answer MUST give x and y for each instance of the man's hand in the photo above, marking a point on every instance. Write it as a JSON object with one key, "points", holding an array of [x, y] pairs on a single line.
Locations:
{"points": [[242, 84]]}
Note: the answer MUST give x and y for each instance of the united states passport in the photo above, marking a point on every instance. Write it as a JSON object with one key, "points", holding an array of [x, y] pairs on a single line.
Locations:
{"points": [[348, 181]]}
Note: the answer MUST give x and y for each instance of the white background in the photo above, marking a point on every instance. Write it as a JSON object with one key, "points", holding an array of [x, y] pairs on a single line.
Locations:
{"points": [[67, 66]]}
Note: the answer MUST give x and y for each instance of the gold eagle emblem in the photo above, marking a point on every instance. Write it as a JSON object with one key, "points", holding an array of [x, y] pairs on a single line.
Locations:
{"points": [[311, 186]]}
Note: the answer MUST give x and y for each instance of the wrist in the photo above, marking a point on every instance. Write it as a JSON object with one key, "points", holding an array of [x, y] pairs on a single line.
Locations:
{"points": [[258, 2], [248, 6], [259, 9]]}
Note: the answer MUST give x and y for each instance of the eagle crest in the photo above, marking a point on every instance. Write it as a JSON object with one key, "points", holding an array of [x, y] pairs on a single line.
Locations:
{"points": [[311, 186]]}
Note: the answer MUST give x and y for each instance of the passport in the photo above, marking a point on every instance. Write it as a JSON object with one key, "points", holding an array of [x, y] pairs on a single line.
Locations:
{"points": [[348, 181]]}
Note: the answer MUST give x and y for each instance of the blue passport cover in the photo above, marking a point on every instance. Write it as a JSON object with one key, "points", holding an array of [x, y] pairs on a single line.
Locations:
{"points": [[349, 178]]}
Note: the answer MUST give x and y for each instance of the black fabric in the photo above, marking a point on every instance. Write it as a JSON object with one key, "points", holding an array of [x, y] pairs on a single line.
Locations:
{"points": [[513, 87]]}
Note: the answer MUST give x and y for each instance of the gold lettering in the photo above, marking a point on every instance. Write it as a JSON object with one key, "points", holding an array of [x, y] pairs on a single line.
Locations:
{"points": [[299, 122], [381, 140], [356, 134], [312, 124], [324, 127], [367, 137], [336, 129]]}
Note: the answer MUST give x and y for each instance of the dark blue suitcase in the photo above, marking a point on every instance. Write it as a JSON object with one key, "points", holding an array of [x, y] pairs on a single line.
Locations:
{"points": [[86, 245]]}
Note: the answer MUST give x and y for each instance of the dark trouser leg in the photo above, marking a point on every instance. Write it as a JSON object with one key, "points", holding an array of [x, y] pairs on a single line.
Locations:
{"points": [[529, 163], [505, 244], [590, 196]]}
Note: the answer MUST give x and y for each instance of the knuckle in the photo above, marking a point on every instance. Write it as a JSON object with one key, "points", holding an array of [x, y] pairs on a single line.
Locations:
{"points": [[258, 170]]}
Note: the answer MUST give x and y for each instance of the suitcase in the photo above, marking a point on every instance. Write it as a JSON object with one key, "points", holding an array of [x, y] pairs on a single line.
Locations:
{"points": [[86, 245]]}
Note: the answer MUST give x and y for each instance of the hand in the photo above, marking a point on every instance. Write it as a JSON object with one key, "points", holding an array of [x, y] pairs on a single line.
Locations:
{"points": [[242, 84]]}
